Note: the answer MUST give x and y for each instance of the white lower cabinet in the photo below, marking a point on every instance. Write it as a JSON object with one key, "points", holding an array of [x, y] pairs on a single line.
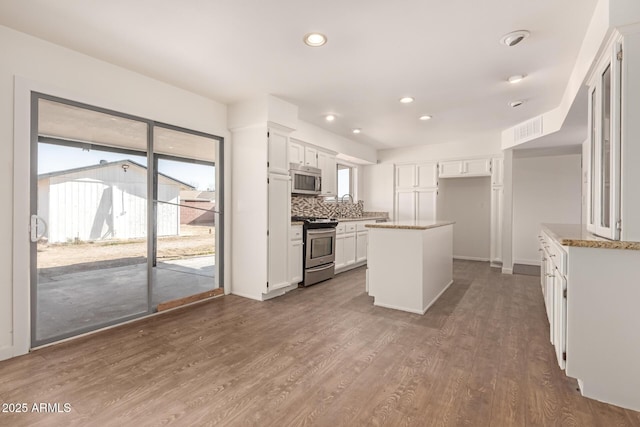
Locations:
{"points": [[361, 245], [295, 255], [351, 244], [279, 214], [349, 249], [340, 259], [554, 285]]}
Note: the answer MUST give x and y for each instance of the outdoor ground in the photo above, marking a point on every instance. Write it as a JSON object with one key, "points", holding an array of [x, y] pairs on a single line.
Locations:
{"points": [[194, 240]]}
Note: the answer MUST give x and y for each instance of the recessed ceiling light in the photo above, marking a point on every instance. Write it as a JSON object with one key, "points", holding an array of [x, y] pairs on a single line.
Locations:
{"points": [[330, 117], [514, 37], [315, 39], [514, 104], [425, 117], [516, 79], [356, 130], [407, 100]]}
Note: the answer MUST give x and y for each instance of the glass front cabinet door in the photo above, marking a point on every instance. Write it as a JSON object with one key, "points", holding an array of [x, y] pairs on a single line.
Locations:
{"points": [[605, 89]]}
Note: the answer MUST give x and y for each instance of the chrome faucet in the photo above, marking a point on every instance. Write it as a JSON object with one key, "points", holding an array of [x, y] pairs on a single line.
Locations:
{"points": [[346, 195]]}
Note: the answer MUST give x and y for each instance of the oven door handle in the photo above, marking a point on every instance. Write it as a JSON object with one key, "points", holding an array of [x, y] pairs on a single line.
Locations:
{"points": [[321, 268], [321, 231]]}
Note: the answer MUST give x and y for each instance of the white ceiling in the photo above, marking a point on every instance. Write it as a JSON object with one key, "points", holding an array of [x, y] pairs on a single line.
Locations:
{"points": [[444, 53]]}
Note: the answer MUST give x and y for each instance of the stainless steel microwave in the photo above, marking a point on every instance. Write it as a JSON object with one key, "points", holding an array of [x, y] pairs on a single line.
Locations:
{"points": [[305, 179]]}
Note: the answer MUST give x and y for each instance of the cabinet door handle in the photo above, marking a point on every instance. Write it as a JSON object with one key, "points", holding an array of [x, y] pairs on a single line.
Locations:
{"points": [[549, 275], [552, 255]]}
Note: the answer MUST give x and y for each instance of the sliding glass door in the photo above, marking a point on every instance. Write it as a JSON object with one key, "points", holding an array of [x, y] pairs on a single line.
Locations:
{"points": [[184, 264], [117, 230]]}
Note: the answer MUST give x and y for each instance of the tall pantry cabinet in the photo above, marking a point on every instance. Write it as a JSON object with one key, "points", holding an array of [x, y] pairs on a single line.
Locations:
{"points": [[497, 207], [416, 191], [260, 196]]}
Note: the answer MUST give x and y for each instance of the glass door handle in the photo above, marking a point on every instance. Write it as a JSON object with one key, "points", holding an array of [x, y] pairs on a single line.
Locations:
{"points": [[34, 228]]}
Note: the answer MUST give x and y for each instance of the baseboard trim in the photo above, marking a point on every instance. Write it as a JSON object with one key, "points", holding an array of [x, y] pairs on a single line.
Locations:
{"points": [[279, 292], [438, 296], [7, 353], [507, 270], [249, 296], [395, 307], [470, 258], [411, 310], [527, 262]]}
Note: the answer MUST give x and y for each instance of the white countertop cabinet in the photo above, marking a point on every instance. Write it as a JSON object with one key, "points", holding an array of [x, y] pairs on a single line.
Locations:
{"points": [[554, 285], [351, 244], [295, 255], [591, 292], [410, 264]]}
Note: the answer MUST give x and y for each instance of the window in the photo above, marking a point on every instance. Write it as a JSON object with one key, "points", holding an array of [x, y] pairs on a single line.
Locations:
{"points": [[345, 181]]}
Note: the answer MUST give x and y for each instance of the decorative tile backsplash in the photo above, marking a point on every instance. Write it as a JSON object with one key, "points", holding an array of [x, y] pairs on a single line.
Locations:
{"points": [[316, 206]]}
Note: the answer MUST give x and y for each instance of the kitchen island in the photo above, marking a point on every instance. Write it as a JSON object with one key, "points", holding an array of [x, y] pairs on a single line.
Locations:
{"points": [[409, 263]]}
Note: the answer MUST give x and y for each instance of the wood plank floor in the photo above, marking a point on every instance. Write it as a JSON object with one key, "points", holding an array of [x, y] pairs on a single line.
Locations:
{"points": [[318, 356]]}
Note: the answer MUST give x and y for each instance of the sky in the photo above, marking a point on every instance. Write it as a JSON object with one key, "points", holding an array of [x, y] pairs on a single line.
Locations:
{"points": [[52, 158]]}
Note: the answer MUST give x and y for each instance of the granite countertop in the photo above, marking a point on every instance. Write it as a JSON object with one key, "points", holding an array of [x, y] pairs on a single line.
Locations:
{"points": [[297, 222], [410, 225], [577, 235]]}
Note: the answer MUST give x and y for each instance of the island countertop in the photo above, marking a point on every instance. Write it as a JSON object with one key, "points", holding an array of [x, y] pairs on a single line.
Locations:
{"points": [[410, 225], [578, 236]]}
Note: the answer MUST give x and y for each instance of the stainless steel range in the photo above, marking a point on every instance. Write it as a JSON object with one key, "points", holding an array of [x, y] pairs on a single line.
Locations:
{"points": [[319, 241]]}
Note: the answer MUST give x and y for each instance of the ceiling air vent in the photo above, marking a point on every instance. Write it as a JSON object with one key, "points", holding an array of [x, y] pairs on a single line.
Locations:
{"points": [[528, 130]]}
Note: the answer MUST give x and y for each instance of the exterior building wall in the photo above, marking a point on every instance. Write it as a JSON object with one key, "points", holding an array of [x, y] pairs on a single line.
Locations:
{"points": [[197, 216], [105, 203]]}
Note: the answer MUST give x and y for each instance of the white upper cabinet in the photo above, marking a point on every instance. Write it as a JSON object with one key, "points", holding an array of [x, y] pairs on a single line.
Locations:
{"points": [[296, 152], [311, 157], [605, 116], [427, 175], [477, 167], [405, 176], [420, 175], [278, 156], [465, 168], [327, 163], [497, 171]]}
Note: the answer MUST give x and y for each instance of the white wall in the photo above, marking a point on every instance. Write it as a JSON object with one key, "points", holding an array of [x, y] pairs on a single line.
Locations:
{"points": [[443, 151], [467, 201], [29, 63], [545, 190]]}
